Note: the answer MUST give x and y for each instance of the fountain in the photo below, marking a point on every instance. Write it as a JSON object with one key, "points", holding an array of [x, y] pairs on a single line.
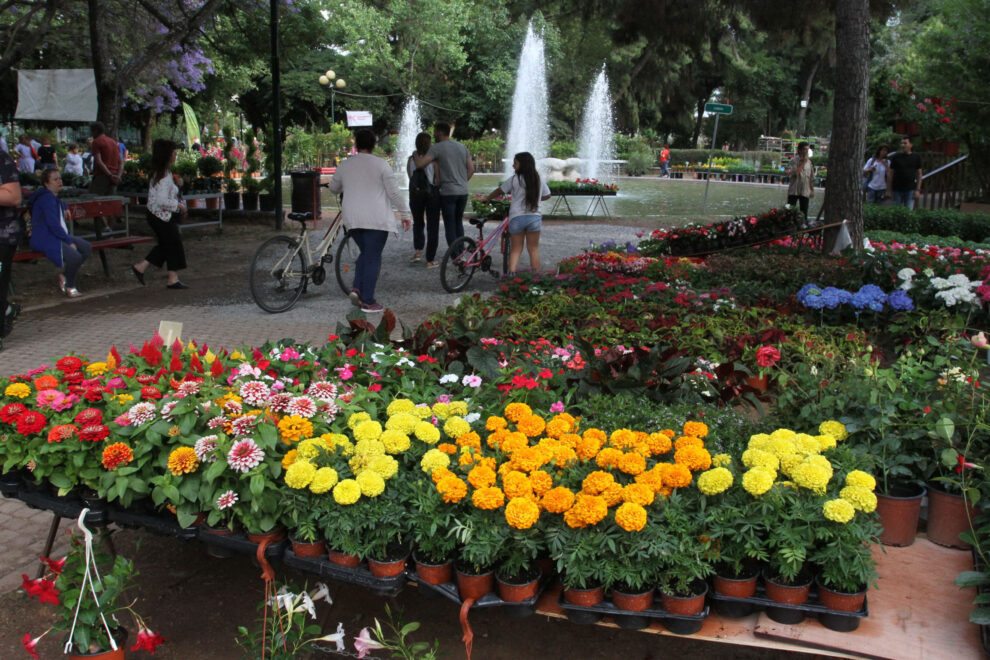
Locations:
{"points": [[597, 144], [411, 127], [528, 124]]}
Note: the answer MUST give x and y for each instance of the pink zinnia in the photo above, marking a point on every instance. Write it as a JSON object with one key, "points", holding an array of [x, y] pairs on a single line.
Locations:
{"points": [[216, 422], [255, 393], [226, 500], [302, 406], [49, 398], [279, 402], [245, 455], [142, 412], [188, 387], [205, 447], [244, 425], [323, 391]]}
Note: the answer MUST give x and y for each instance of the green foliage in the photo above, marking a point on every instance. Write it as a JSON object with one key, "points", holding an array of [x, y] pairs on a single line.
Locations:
{"points": [[640, 160], [209, 166], [563, 149], [918, 239], [940, 222]]}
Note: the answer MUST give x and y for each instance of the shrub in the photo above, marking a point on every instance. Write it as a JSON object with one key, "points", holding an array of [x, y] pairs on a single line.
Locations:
{"points": [[938, 222], [641, 159], [562, 149]]}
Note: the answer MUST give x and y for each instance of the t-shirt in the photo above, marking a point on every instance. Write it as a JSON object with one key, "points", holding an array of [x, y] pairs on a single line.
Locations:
{"points": [[905, 168], [665, 155], [25, 159], [73, 163], [878, 177], [10, 228], [46, 155], [515, 185], [108, 152], [452, 157]]}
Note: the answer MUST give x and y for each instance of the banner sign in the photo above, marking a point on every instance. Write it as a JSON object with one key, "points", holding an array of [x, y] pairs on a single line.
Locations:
{"points": [[358, 118]]}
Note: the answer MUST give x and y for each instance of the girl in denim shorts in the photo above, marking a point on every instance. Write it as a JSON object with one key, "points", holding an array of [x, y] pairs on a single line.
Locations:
{"points": [[527, 190]]}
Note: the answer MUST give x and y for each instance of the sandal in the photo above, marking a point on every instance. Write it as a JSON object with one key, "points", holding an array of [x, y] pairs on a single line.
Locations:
{"points": [[61, 282], [416, 259], [72, 292]]}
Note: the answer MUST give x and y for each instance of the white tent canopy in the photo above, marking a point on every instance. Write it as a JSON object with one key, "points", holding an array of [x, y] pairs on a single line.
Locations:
{"points": [[56, 95]]}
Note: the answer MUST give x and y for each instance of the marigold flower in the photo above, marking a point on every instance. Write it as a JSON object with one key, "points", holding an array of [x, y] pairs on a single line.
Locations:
{"points": [[758, 441], [494, 423], [696, 429], [516, 411], [372, 484], [721, 460], [455, 427], [658, 444], [714, 481], [426, 432], [466, 457], [758, 480], [652, 478], [324, 479], [470, 439], [640, 494], [516, 484], [612, 495], [513, 442], [596, 482], [300, 474], [116, 455], [294, 427], [813, 474], [531, 425], [481, 476], [404, 422], [521, 513], [825, 442], [587, 510], [839, 510], [861, 479], [451, 488], [587, 447], [433, 459], [558, 500], [308, 449], [357, 418], [862, 499], [676, 475], [541, 482], [18, 390], [399, 406], [557, 427], [564, 456], [368, 448], [608, 457], [488, 498], [630, 517], [386, 466], [347, 492], [182, 460], [367, 430], [632, 463], [688, 441], [440, 473], [807, 444], [835, 429]]}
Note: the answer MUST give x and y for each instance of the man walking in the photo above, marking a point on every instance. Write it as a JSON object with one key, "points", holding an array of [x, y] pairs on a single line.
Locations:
{"points": [[904, 175], [456, 168], [107, 164], [10, 235], [665, 161]]}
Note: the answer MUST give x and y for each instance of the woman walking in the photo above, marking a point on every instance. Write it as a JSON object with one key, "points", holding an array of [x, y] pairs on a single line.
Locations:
{"points": [[165, 210], [424, 200], [801, 187], [50, 235], [525, 221], [876, 170]]}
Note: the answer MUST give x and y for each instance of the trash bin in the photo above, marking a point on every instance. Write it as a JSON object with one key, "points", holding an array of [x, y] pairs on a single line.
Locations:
{"points": [[306, 192]]}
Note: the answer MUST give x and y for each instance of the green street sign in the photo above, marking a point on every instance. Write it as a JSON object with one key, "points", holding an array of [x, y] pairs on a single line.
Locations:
{"points": [[718, 108]]}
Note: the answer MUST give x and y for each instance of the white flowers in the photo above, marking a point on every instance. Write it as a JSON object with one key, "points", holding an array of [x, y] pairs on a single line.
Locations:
{"points": [[205, 449], [255, 393], [141, 413], [448, 378], [471, 380], [906, 275], [245, 455], [956, 289]]}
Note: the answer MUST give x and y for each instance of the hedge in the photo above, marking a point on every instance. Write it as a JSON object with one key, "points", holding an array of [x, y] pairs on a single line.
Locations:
{"points": [[939, 222], [885, 236]]}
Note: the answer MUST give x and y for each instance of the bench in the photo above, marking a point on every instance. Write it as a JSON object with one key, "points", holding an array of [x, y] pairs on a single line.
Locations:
{"points": [[98, 246]]}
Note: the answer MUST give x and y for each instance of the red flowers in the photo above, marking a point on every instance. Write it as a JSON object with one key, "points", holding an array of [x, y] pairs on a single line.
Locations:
{"points": [[116, 455], [42, 588], [69, 364], [94, 433], [31, 645], [31, 422], [54, 566], [963, 464], [150, 393], [10, 412], [88, 417], [767, 356], [147, 640]]}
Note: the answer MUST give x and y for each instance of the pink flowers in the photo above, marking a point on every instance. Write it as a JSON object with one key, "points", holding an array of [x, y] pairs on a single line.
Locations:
{"points": [[255, 393], [557, 407], [767, 356], [302, 406], [245, 455], [226, 500], [364, 643], [205, 449]]}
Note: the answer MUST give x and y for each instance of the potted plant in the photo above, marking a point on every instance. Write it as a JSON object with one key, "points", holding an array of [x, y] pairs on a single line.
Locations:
{"points": [[283, 631], [430, 521], [518, 574], [686, 561], [843, 553], [266, 200], [231, 195]]}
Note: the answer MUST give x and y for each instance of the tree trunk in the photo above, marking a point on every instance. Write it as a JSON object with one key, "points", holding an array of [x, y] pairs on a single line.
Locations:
{"points": [[809, 82], [146, 126], [697, 122], [852, 46], [107, 85]]}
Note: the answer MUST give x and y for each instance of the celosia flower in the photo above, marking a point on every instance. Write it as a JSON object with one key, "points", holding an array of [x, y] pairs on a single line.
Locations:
{"points": [[521, 513], [347, 492], [839, 510], [226, 500], [714, 481], [182, 460], [245, 455], [758, 480], [116, 455], [324, 479], [630, 517], [300, 474]]}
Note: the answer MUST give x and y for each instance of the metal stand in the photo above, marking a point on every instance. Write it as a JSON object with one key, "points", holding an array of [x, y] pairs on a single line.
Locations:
{"points": [[49, 543]]}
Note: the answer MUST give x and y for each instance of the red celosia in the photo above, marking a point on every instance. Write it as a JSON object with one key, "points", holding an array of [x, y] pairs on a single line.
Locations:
{"points": [[216, 369]]}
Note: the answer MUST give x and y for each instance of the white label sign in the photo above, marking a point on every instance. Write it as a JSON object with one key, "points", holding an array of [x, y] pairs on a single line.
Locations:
{"points": [[358, 118]]}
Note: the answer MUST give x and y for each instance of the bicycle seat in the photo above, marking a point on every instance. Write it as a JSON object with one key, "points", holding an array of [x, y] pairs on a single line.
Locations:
{"points": [[301, 217], [479, 222]]}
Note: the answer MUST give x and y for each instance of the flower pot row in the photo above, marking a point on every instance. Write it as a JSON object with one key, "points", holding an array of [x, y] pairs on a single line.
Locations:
{"points": [[682, 615], [900, 514]]}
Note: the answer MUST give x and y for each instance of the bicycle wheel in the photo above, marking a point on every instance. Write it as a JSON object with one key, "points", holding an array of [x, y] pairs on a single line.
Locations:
{"points": [[454, 274], [345, 264], [277, 275]]}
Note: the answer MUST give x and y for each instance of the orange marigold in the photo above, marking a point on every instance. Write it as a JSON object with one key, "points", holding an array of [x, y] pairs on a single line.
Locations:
{"points": [[587, 447], [440, 473], [481, 476], [558, 500], [621, 438], [557, 427], [612, 494], [653, 479], [494, 423], [294, 427], [182, 460], [447, 448], [697, 429], [688, 441], [541, 481], [570, 440], [451, 488], [632, 463], [630, 517], [516, 411], [597, 434], [695, 458], [470, 439], [676, 475], [496, 438], [531, 425], [62, 432], [488, 498], [596, 482], [521, 513], [669, 433], [466, 458], [564, 456], [116, 455], [487, 461], [516, 484], [527, 459], [608, 457], [289, 458], [659, 443], [587, 510], [640, 494]]}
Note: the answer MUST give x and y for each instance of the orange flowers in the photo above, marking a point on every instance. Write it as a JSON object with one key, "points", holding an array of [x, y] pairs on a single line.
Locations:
{"points": [[697, 429], [630, 517], [451, 488], [587, 510], [116, 455], [481, 476], [488, 498], [521, 513], [62, 432], [695, 458], [182, 460]]}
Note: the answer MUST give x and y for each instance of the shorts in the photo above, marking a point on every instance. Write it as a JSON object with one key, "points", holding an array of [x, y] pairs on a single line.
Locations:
{"points": [[525, 223]]}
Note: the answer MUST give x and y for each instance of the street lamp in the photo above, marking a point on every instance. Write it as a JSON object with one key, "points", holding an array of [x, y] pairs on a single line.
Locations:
{"points": [[337, 83]]}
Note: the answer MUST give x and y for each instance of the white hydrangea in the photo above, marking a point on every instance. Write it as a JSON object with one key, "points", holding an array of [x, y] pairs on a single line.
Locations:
{"points": [[941, 283], [905, 273]]}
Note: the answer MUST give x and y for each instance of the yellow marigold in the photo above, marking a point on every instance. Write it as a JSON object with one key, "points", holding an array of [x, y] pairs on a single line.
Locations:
{"points": [[469, 439], [289, 459], [697, 429], [806, 443], [426, 432], [402, 422], [395, 441], [714, 481], [308, 449], [587, 510], [455, 427], [587, 447], [294, 427], [434, 459], [688, 441], [608, 457], [495, 423], [440, 473], [357, 418], [96, 368], [861, 479], [835, 429], [423, 411], [789, 462], [441, 410], [386, 466], [758, 441], [781, 446], [541, 481], [825, 442], [338, 443], [839, 510], [760, 458], [372, 484], [695, 458], [447, 448], [367, 430], [521, 513], [630, 517], [676, 475], [782, 434], [324, 479], [596, 482], [531, 425], [347, 492], [612, 495], [488, 498], [481, 476], [658, 443], [721, 460], [863, 499], [621, 438], [369, 448], [758, 480], [459, 408], [516, 411], [182, 460], [516, 484], [399, 406], [558, 500], [300, 474], [18, 390], [651, 478], [640, 494], [813, 474], [451, 488]]}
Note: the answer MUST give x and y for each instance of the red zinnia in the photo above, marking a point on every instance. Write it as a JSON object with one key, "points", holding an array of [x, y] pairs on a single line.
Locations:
{"points": [[73, 377], [68, 364], [10, 412], [94, 433], [146, 379], [150, 393], [88, 417], [93, 394], [61, 432], [31, 422]]}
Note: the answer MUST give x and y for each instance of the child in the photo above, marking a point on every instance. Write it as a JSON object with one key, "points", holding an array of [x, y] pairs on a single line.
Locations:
{"points": [[525, 221]]}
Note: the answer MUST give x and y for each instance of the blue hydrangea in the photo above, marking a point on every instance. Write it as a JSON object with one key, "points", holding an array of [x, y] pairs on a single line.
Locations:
{"points": [[900, 301], [813, 302], [833, 297]]}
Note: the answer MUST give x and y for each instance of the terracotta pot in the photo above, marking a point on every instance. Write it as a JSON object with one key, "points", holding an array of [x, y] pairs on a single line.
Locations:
{"points": [[787, 594], [218, 531], [685, 605], [899, 512], [213, 202], [516, 592], [119, 635], [273, 536], [475, 586], [307, 549], [343, 559], [840, 600], [951, 148], [434, 573], [584, 597], [632, 602], [758, 383], [947, 518], [386, 569], [735, 587], [194, 203]]}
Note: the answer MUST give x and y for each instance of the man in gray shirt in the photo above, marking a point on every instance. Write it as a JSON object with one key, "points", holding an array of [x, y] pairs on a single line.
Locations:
{"points": [[456, 167]]}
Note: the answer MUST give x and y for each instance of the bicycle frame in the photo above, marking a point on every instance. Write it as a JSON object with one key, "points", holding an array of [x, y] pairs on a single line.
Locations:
{"points": [[315, 255], [485, 245]]}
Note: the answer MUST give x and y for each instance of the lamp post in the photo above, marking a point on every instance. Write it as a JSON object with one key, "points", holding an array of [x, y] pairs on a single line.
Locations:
{"points": [[330, 79]]}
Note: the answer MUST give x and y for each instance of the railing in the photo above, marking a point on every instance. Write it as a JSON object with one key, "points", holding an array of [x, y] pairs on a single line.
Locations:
{"points": [[945, 186]]}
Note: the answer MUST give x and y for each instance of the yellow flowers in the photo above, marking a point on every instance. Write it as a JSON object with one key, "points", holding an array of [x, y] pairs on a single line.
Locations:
{"points": [[371, 483], [367, 430], [862, 499], [861, 479], [835, 429], [182, 460], [630, 517], [839, 510], [426, 432], [521, 513], [399, 406], [434, 459], [324, 479], [455, 427], [300, 474], [347, 492], [294, 427], [714, 481], [19, 390], [758, 480]]}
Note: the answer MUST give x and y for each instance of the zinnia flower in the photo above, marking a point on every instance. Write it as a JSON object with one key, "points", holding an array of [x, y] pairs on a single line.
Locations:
{"points": [[226, 500], [205, 449], [18, 390], [182, 460], [245, 455], [116, 455], [31, 422]]}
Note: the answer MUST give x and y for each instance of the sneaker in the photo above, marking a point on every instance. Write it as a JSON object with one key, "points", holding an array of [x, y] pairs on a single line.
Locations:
{"points": [[72, 292], [416, 259], [355, 297], [371, 307], [432, 264]]}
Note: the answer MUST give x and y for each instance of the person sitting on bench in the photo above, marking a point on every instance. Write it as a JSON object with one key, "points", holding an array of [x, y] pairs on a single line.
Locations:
{"points": [[50, 236]]}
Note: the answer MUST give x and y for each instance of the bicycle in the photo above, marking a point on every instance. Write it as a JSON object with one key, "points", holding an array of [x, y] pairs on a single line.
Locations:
{"points": [[465, 255], [283, 266]]}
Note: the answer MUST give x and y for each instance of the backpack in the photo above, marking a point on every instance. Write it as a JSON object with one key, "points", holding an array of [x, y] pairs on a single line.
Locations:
{"points": [[420, 187]]}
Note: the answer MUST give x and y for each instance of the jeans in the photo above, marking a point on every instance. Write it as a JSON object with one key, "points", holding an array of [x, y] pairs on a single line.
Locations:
{"points": [[452, 208], [72, 260], [431, 223], [903, 198], [665, 167], [800, 201], [371, 242], [169, 250], [526, 223], [874, 196]]}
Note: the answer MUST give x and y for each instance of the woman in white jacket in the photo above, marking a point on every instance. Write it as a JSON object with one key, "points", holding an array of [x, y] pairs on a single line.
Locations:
{"points": [[370, 191]]}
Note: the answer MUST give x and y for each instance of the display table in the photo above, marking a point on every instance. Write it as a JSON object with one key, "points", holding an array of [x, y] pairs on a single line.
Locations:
{"points": [[142, 197], [597, 201]]}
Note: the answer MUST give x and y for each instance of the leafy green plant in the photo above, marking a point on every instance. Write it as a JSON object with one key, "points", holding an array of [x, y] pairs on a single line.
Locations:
{"points": [[283, 631]]}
